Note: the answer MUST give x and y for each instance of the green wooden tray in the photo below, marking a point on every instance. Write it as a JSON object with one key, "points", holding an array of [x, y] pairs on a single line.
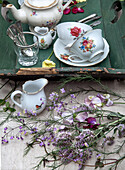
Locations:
{"points": [[112, 66]]}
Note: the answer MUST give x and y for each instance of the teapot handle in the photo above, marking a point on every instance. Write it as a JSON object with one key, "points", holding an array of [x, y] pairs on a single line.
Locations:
{"points": [[12, 97], [53, 34], [64, 7]]}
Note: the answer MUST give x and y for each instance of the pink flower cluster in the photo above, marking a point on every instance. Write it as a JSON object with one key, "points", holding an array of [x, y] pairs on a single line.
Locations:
{"points": [[74, 10], [98, 101]]}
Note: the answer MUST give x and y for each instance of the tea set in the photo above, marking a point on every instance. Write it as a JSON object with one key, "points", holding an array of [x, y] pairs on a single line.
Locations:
{"points": [[77, 43], [80, 41]]}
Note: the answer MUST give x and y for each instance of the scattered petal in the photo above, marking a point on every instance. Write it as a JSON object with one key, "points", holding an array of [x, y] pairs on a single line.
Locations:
{"points": [[74, 10], [80, 10], [109, 103], [81, 117], [67, 11]]}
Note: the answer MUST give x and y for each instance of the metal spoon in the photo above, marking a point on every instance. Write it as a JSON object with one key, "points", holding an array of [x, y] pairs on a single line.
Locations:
{"points": [[18, 26], [16, 34], [90, 19], [87, 18]]}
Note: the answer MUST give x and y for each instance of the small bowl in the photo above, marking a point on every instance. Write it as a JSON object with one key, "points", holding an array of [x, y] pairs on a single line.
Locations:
{"points": [[69, 31]]}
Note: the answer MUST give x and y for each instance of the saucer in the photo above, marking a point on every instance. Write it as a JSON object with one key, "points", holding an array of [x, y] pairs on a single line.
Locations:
{"points": [[62, 54]]}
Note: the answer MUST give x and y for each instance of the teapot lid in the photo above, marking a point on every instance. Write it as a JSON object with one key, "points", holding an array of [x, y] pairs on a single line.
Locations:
{"points": [[40, 4]]}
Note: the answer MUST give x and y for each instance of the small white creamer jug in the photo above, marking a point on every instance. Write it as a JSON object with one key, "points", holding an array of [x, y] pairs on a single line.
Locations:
{"points": [[45, 36], [33, 98]]}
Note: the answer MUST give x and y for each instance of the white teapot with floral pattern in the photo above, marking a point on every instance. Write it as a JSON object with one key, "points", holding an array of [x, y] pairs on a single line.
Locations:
{"points": [[42, 13]]}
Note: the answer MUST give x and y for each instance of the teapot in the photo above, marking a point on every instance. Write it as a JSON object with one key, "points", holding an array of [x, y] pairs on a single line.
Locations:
{"points": [[42, 13], [45, 36], [32, 96]]}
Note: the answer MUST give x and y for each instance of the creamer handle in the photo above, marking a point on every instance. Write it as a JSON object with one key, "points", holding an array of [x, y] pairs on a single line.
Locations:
{"points": [[14, 94], [53, 34], [64, 7]]}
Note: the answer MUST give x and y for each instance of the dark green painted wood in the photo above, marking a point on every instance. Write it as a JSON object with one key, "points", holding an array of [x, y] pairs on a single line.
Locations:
{"points": [[112, 33]]}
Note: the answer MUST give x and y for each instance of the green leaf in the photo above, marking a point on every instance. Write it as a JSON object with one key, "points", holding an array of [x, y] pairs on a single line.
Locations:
{"points": [[7, 104], [74, 115], [99, 164], [1, 1], [96, 166], [5, 109], [2, 102], [11, 109]]}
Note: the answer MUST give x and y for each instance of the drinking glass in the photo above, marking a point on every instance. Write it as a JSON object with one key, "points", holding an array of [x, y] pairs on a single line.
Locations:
{"points": [[25, 48]]}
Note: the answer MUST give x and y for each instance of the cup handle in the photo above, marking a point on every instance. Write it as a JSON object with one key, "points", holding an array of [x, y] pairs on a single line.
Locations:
{"points": [[12, 97], [53, 34], [96, 54], [75, 59]]}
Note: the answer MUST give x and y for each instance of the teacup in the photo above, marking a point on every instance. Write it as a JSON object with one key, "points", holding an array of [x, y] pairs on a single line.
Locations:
{"points": [[70, 31], [89, 47]]}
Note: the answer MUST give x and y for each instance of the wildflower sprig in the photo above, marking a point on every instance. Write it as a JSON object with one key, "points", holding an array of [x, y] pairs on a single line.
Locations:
{"points": [[74, 130]]}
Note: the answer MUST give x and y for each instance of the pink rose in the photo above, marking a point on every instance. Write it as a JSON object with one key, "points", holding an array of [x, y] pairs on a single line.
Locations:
{"points": [[85, 42], [75, 31]]}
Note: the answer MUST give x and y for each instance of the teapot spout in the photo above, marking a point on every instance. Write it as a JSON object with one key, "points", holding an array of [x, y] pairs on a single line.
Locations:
{"points": [[18, 14]]}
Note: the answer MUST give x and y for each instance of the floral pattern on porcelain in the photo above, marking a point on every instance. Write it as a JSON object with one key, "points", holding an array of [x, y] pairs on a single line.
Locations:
{"points": [[59, 9], [75, 31], [43, 43], [33, 13], [87, 45], [64, 56], [50, 23]]}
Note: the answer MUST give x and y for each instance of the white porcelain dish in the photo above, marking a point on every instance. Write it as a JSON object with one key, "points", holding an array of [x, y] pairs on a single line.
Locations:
{"points": [[70, 31], [62, 54]]}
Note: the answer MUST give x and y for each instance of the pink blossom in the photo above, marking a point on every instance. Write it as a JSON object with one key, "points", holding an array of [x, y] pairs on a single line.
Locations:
{"points": [[81, 117], [96, 101], [109, 103], [67, 118]]}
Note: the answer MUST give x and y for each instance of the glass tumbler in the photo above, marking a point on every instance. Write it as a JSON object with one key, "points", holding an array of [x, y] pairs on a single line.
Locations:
{"points": [[25, 48]]}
